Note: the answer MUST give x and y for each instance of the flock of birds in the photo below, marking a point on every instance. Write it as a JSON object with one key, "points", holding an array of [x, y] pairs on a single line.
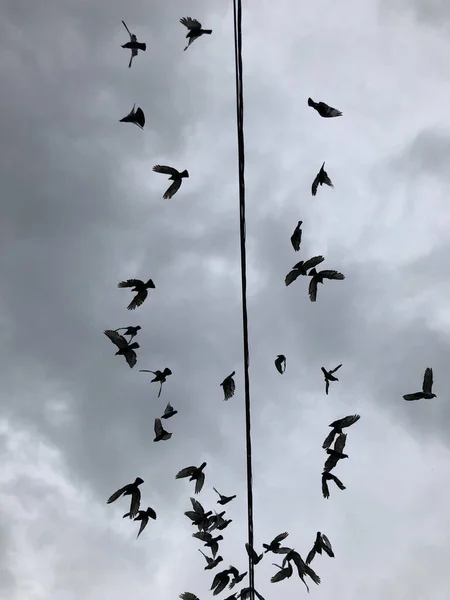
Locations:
{"points": [[207, 523]]}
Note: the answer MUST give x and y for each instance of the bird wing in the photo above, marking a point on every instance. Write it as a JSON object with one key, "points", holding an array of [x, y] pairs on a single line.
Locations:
{"points": [[116, 338], [140, 118], [330, 463], [130, 283], [325, 490], [151, 513], [135, 502], [203, 536], [331, 274], [197, 506], [131, 358], [296, 238], [339, 444], [186, 472], [217, 492], [188, 596], [327, 385], [190, 23], [337, 481], [312, 290], [415, 396], [165, 169], [129, 32], [311, 555], [326, 179], [326, 545], [329, 111], [329, 439], [214, 548], [143, 525], [427, 381], [138, 300], [336, 369], [168, 409], [199, 483], [345, 421], [172, 190], [292, 276], [315, 184], [159, 429], [313, 262], [279, 538], [117, 494]]}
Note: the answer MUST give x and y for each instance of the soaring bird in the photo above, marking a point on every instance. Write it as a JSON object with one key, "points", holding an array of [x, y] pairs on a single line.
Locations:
{"points": [[160, 432], [318, 277], [228, 386], [336, 454], [220, 582], [296, 237], [143, 516], [169, 411], [195, 474], [175, 176], [224, 499], [302, 268], [198, 516], [280, 363], [131, 489], [330, 477], [140, 288], [427, 386], [337, 427], [209, 540], [256, 558], [195, 29], [136, 117], [159, 376], [321, 178], [323, 109], [283, 573], [237, 577], [274, 545], [133, 45], [328, 375], [302, 568], [130, 330], [211, 562], [125, 349], [321, 543]]}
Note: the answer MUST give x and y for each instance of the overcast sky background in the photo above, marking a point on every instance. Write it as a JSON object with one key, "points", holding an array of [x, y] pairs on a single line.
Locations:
{"points": [[81, 210]]}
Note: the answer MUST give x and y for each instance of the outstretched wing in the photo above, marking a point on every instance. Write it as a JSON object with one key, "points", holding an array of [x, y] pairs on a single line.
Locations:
{"points": [[329, 111], [331, 274], [129, 283], [117, 494], [330, 463], [339, 444], [116, 338], [190, 23], [427, 381], [292, 276], [131, 358], [329, 439], [313, 289], [172, 190], [313, 262], [159, 429], [315, 184], [138, 300], [140, 118], [279, 538], [325, 490], [415, 396], [199, 483], [129, 32], [143, 526], [188, 596], [164, 169], [345, 421], [336, 369], [186, 472]]}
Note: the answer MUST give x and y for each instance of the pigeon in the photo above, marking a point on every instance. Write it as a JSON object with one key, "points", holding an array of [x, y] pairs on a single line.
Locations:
{"points": [[175, 176], [224, 499], [336, 453], [280, 363], [321, 178], [195, 29], [223, 523], [125, 349], [330, 477], [318, 277], [131, 489], [143, 516], [211, 562], [256, 558], [133, 45], [195, 474], [188, 596], [302, 268], [136, 117], [130, 330], [338, 426], [296, 237], [302, 568], [198, 516], [169, 411], [283, 573], [209, 540], [220, 582], [323, 109], [427, 386], [321, 543], [159, 376], [137, 286], [237, 577], [329, 377], [215, 520], [274, 545], [228, 386], [160, 432]]}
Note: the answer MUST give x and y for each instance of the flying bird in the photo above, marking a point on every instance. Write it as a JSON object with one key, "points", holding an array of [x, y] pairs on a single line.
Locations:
{"points": [[169, 411], [131, 489], [302, 268], [321, 543], [318, 277], [328, 375], [337, 427], [321, 178], [256, 558], [274, 545], [159, 376], [302, 568], [160, 432], [228, 386], [224, 499], [130, 330], [280, 363], [140, 288], [323, 109], [336, 453], [283, 573], [143, 516], [220, 582], [188, 596], [427, 385], [125, 349], [211, 562], [175, 176], [296, 237], [237, 577], [133, 45], [195, 474], [215, 520], [136, 117], [209, 540], [198, 516], [195, 29], [330, 477]]}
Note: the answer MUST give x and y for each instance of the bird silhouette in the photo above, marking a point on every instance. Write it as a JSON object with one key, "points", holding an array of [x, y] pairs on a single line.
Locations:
{"points": [[296, 237], [220, 581], [323, 109], [321, 179], [228, 386], [337, 427], [237, 577], [143, 516], [125, 349], [318, 277], [274, 545], [321, 543], [224, 499], [328, 375], [159, 376], [198, 516], [211, 562], [136, 117], [140, 288], [283, 573], [175, 176], [188, 596], [302, 268], [302, 568], [195, 474], [336, 453], [280, 363], [131, 489], [169, 411], [133, 45], [195, 29], [427, 386], [209, 541], [256, 558], [160, 432], [326, 476], [130, 330]]}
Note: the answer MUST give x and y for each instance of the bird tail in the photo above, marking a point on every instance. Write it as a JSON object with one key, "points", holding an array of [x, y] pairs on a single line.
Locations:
{"points": [[208, 31], [142, 46], [311, 102], [184, 174]]}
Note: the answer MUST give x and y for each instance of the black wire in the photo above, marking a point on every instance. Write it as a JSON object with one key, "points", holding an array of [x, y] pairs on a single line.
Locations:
{"points": [[237, 11]]}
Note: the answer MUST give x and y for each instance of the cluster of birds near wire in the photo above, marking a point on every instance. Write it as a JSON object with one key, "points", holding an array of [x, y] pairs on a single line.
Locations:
{"points": [[207, 523]]}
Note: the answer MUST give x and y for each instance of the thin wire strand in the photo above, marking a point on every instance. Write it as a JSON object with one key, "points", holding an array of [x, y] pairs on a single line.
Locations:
{"points": [[237, 12]]}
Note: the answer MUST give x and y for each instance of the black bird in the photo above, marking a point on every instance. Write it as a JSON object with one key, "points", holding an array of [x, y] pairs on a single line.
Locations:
{"points": [[195, 29], [143, 516], [136, 117], [169, 411], [160, 432], [302, 268], [321, 543], [130, 330], [223, 524], [302, 568], [224, 499], [318, 277], [198, 516], [137, 286], [215, 520], [175, 176], [220, 582], [188, 596], [246, 594], [336, 453], [237, 577], [330, 477], [256, 558], [209, 540], [280, 363], [274, 545], [228, 386], [323, 109], [337, 427], [133, 44], [125, 349], [131, 489], [195, 474], [211, 562], [328, 375], [321, 178], [283, 573], [159, 376], [427, 386], [296, 237]]}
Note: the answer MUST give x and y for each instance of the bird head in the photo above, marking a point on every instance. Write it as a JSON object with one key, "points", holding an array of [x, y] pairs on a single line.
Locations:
{"points": [[310, 102], [138, 481], [184, 174], [202, 466], [138, 327]]}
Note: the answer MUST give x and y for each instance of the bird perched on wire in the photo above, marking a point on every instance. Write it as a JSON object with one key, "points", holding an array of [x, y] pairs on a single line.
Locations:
{"points": [[136, 117], [131, 489], [274, 545], [228, 386], [321, 543], [336, 453], [160, 433], [280, 363], [130, 330], [427, 386], [209, 541], [143, 516], [195, 474], [223, 499], [211, 562], [137, 286], [296, 237], [133, 45], [302, 268], [323, 109], [328, 375], [326, 476], [175, 176], [195, 29], [321, 179], [125, 349], [337, 427], [318, 277], [169, 411], [159, 376]]}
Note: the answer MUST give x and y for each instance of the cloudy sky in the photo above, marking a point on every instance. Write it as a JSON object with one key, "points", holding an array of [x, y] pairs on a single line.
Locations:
{"points": [[82, 210]]}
